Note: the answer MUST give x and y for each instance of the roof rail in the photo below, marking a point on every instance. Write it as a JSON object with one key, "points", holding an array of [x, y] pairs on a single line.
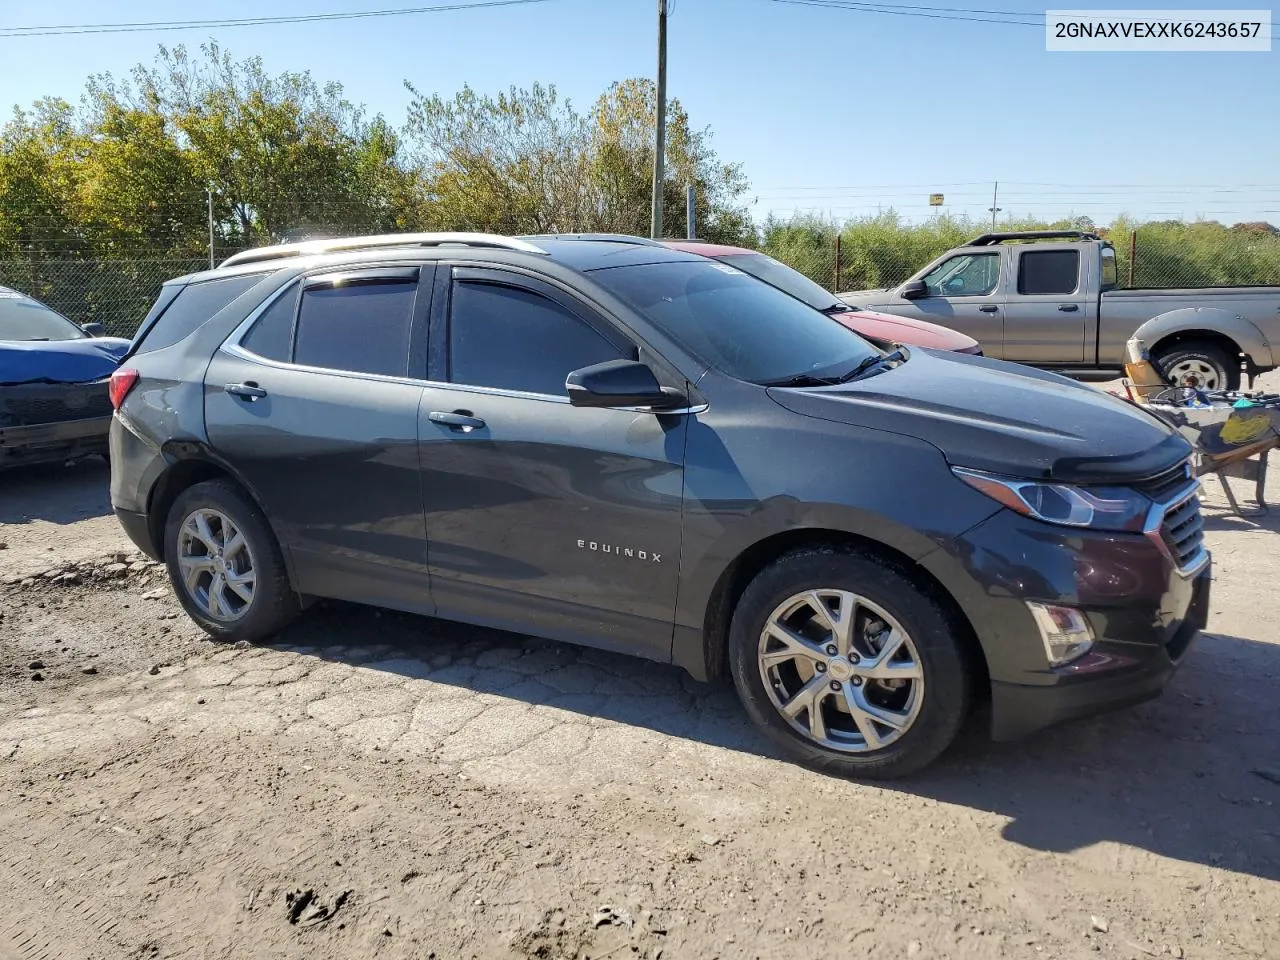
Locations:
{"points": [[988, 239], [606, 237], [311, 247]]}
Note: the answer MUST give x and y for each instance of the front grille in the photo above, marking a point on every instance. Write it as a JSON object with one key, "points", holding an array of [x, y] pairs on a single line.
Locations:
{"points": [[33, 404], [1164, 485], [1183, 532]]}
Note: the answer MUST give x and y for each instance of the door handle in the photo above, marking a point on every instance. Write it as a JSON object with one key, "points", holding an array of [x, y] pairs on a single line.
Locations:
{"points": [[990, 308], [460, 421], [245, 391], [1068, 307]]}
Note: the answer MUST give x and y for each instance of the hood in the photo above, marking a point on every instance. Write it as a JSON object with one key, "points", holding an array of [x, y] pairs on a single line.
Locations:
{"points": [[60, 361], [1002, 418], [857, 298], [914, 333]]}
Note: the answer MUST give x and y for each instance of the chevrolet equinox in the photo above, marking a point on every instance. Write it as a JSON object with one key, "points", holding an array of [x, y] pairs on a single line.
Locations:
{"points": [[621, 445]]}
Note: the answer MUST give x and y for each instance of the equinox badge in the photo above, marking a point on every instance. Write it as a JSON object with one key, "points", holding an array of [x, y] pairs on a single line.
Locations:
{"points": [[620, 551]]}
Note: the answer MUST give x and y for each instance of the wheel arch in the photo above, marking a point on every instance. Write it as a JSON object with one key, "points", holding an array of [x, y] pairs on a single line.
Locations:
{"points": [[1230, 330], [190, 463], [706, 655]]}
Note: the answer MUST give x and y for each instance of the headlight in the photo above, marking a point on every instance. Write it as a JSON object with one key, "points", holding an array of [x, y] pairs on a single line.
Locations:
{"points": [[1101, 508]]}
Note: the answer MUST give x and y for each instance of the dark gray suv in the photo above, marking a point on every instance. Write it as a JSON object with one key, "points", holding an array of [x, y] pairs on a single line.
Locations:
{"points": [[625, 446]]}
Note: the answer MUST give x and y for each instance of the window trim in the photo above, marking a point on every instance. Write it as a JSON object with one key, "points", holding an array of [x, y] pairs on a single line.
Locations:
{"points": [[1023, 254], [442, 318]]}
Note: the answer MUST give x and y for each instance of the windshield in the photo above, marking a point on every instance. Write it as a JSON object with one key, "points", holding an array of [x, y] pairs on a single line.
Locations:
{"points": [[779, 275], [24, 319], [740, 326]]}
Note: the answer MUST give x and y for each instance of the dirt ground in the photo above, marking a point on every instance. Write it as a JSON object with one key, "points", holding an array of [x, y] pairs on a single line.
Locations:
{"points": [[377, 785]]}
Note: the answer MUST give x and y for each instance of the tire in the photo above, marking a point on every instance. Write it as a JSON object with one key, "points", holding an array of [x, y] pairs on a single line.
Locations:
{"points": [[271, 603], [941, 699], [1203, 360]]}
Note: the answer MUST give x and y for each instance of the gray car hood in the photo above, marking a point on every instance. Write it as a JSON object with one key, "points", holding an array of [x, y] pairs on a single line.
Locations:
{"points": [[1002, 418]]}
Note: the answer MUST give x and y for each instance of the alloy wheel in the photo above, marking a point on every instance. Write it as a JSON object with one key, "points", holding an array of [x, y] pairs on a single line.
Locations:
{"points": [[216, 564], [841, 670]]}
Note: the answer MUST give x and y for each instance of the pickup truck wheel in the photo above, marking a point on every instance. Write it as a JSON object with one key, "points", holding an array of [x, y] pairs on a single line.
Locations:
{"points": [[225, 565], [847, 665], [1201, 364]]}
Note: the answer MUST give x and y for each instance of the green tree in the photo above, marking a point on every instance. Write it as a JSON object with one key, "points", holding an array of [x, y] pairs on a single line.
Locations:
{"points": [[280, 152]]}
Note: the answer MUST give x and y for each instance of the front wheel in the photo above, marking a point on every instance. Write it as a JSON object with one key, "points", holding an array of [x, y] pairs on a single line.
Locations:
{"points": [[225, 564], [848, 665], [1199, 364]]}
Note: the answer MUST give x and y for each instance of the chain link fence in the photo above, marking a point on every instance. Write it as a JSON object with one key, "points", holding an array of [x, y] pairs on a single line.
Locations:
{"points": [[1156, 258], [118, 291]]}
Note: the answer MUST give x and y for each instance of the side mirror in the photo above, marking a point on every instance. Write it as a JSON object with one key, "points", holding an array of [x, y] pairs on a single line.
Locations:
{"points": [[620, 383], [914, 290], [94, 329]]}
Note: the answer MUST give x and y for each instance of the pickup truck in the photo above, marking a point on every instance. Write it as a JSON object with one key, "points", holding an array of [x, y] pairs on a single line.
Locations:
{"points": [[1050, 299]]}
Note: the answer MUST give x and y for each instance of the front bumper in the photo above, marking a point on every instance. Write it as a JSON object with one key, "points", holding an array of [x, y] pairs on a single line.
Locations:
{"points": [[1113, 675], [1144, 615]]}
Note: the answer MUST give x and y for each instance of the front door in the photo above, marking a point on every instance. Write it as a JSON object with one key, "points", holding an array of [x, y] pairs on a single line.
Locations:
{"points": [[963, 294], [543, 517], [313, 407]]}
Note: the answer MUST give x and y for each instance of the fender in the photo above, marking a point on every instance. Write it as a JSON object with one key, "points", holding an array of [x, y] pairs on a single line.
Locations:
{"points": [[175, 453], [1243, 332]]}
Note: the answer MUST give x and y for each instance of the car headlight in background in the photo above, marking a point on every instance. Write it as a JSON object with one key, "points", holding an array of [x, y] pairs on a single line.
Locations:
{"points": [[1099, 508]]}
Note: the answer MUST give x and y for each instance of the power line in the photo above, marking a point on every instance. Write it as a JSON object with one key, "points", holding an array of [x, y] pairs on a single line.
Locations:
{"points": [[158, 25]]}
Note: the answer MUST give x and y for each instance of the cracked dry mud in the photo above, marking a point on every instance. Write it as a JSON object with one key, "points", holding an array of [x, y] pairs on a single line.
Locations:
{"points": [[378, 785]]}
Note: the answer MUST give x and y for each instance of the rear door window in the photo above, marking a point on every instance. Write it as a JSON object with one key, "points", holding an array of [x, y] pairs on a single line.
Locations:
{"points": [[193, 307], [1049, 272], [362, 327]]}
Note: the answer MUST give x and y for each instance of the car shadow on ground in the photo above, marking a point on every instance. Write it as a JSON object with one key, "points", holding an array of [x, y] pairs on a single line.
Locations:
{"points": [[56, 493], [1193, 776]]}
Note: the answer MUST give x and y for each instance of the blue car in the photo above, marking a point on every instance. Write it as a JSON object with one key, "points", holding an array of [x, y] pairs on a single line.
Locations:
{"points": [[54, 404]]}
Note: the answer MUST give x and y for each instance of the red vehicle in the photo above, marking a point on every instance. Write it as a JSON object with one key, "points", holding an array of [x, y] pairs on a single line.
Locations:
{"points": [[880, 328]]}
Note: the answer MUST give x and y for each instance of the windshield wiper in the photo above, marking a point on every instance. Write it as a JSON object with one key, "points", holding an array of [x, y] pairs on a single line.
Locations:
{"points": [[873, 361], [801, 380]]}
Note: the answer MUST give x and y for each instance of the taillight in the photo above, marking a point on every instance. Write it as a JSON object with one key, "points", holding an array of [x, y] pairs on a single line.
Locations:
{"points": [[122, 381]]}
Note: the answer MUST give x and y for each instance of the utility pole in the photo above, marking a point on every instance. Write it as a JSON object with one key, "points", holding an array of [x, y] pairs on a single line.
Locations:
{"points": [[209, 195], [690, 215], [995, 192], [660, 144]]}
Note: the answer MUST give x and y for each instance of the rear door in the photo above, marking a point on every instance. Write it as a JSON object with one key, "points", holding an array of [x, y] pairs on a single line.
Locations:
{"points": [[541, 516], [964, 293], [1047, 312], [311, 403]]}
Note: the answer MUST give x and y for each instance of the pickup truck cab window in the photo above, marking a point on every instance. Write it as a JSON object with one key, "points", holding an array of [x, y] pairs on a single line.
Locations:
{"points": [[966, 275], [511, 338], [1048, 272]]}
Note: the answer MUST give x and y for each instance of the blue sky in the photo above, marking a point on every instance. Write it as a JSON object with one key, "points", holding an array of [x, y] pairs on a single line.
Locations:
{"points": [[828, 110]]}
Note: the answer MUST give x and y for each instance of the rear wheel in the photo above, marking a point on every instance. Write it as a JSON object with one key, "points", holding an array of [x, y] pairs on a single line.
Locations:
{"points": [[225, 564], [1201, 364], [846, 664]]}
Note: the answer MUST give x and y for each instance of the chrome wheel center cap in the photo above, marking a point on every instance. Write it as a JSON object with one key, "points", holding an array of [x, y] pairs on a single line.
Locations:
{"points": [[839, 669]]}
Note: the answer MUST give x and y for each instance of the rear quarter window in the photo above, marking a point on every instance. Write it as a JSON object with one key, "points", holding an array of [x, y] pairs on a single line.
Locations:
{"points": [[195, 305]]}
